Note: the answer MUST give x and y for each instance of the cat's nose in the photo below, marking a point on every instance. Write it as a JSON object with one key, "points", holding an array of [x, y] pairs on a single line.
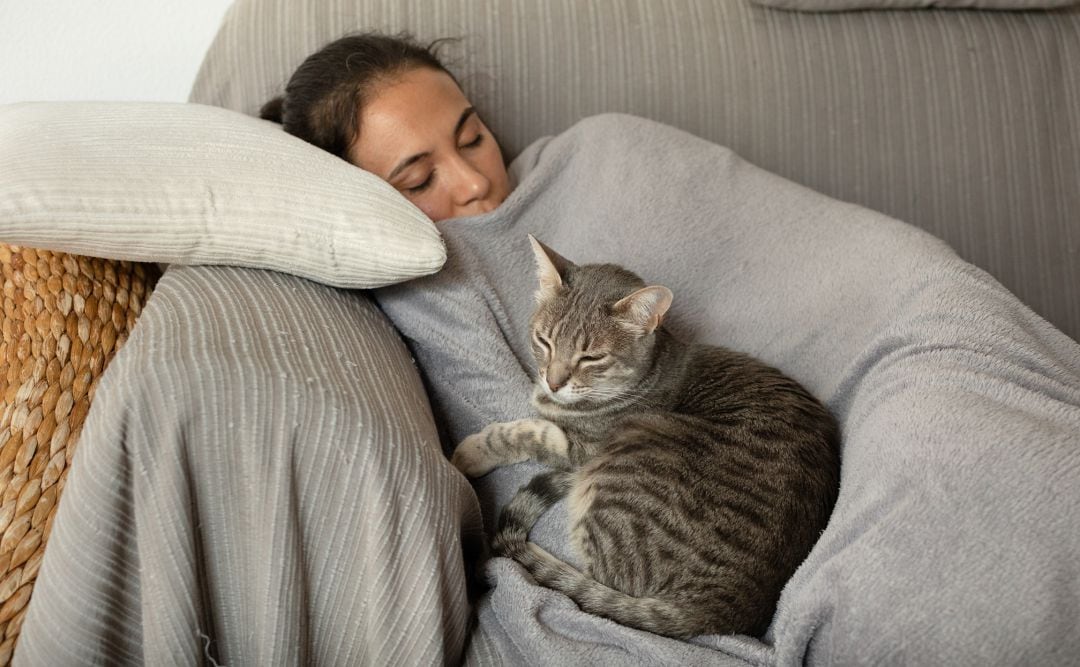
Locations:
{"points": [[557, 377]]}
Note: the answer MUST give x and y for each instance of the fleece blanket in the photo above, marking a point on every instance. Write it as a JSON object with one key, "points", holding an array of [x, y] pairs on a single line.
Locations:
{"points": [[956, 536]]}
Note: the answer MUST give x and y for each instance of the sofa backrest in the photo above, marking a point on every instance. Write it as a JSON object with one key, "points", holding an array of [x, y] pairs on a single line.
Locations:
{"points": [[965, 123]]}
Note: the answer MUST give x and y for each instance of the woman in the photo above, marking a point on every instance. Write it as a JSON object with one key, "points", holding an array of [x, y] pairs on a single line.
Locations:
{"points": [[389, 106]]}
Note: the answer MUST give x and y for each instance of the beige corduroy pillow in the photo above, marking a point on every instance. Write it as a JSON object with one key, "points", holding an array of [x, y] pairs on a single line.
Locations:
{"points": [[195, 184]]}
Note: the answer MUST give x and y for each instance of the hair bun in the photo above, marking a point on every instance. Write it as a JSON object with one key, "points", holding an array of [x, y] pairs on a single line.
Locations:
{"points": [[272, 109]]}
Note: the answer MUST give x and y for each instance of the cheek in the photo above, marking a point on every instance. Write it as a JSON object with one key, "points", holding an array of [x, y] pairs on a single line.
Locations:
{"points": [[588, 376], [495, 170], [433, 204], [613, 375]]}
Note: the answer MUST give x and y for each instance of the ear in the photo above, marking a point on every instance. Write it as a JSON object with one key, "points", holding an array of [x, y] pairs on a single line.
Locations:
{"points": [[550, 267], [644, 309]]}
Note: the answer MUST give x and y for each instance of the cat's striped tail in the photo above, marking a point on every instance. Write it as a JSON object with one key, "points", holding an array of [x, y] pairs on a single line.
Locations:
{"points": [[518, 517]]}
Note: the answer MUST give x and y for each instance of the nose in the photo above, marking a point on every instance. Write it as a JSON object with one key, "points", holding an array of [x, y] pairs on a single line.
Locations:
{"points": [[556, 378], [469, 183]]}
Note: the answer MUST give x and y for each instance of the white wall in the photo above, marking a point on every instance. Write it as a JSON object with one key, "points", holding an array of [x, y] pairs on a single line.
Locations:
{"points": [[103, 49]]}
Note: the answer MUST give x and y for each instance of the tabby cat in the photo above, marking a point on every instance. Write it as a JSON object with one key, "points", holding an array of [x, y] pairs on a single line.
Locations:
{"points": [[697, 478]]}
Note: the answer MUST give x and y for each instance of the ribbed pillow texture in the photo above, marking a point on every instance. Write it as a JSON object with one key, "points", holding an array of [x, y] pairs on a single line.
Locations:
{"points": [[194, 184]]}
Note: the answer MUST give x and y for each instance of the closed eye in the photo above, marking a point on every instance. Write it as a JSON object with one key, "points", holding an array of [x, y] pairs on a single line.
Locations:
{"points": [[423, 185], [541, 341], [591, 358]]}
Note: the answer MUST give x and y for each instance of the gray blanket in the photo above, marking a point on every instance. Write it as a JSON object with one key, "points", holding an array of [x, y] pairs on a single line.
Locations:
{"points": [[956, 536]]}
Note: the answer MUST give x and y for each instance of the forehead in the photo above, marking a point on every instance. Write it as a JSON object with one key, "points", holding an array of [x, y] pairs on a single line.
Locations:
{"points": [[573, 310], [407, 114]]}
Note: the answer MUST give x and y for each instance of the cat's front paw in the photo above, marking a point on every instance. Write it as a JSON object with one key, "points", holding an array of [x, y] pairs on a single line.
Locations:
{"points": [[473, 457]]}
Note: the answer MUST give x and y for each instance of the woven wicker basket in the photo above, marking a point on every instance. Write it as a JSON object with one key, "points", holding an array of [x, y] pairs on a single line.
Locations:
{"points": [[64, 318]]}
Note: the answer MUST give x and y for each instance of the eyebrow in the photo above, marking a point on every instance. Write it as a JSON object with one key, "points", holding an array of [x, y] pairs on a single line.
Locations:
{"points": [[412, 159]]}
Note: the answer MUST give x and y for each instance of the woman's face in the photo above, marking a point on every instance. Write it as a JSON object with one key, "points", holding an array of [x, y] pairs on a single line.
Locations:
{"points": [[420, 134]]}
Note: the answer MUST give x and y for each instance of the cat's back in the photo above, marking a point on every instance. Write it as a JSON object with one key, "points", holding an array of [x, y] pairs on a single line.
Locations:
{"points": [[738, 468], [730, 411], [716, 383]]}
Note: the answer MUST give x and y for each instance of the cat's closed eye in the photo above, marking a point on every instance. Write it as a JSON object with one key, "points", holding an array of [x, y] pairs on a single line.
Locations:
{"points": [[543, 342], [592, 358]]}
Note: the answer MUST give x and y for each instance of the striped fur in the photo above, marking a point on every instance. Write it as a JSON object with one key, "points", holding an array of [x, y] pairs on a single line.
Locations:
{"points": [[653, 614], [697, 478]]}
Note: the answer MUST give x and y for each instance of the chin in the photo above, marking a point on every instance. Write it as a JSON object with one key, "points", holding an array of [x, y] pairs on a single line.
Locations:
{"points": [[542, 396]]}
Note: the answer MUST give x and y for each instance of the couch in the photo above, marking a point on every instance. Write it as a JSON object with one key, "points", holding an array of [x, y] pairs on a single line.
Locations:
{"points": [[961, 122]]}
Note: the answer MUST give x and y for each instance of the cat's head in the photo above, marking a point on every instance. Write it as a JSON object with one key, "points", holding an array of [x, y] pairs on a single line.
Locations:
{"points": [[594, 328]]}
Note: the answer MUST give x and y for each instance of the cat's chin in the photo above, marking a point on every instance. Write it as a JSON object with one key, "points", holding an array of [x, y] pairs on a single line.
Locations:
{"points": [[542, 396], [581, 402], [558, 400]]}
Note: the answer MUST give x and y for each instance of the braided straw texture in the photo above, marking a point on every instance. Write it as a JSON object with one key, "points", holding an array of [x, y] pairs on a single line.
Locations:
{"points": [[64, 317]]}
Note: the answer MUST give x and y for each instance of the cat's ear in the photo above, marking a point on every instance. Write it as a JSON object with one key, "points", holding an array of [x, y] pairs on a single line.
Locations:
{"points": [[644, 310], [549, 268]]}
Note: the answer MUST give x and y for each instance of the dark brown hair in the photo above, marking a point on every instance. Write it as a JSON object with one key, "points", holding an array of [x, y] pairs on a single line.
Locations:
{"points": [[324, 96]]}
